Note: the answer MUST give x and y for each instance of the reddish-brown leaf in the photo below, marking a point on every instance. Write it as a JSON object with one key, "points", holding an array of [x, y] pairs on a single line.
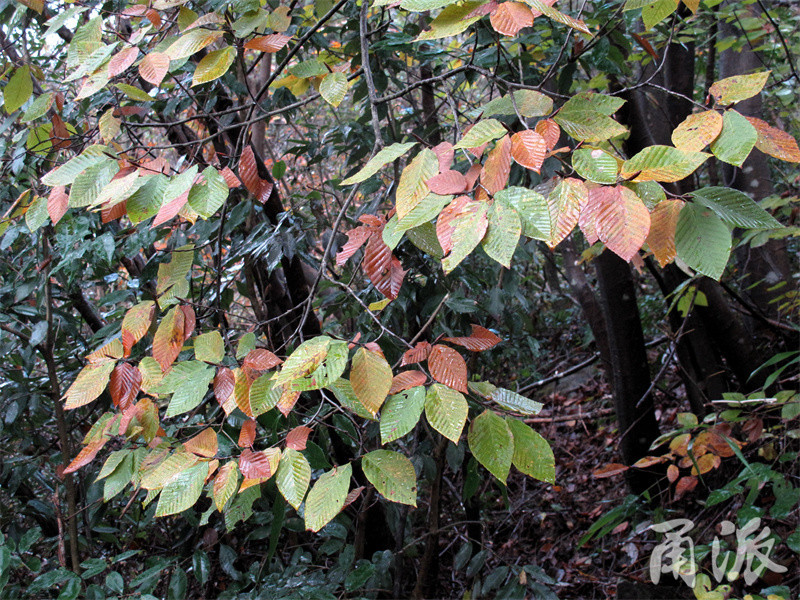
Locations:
{"points": [[483, 10], [296, 439], [416, 354], [137, 10], [248, 173], [497, 168], [565, 203], [447, 182], [287, 401], [114, 212], [254, 465], [598, 196], [753, 428], [472, 175], [268, 43], [445, 153], [775, 142], [609, 470], [189, 321], [260, 359], [448, 367], [170, 209], [661, 238], [407, 380], [648, 461], [383, 269], [231, 180], [550, 131], [224, 382], [169, 338], [57, 203], [203, 444], [124, 383], [352, 496], [510, 18], [372, 221], [86, 455], [241, 391], [247, 434], [529, 149], [154, 67], [136, 323], [684, 485], [673, 473], [153, 16], [355, 239], [61, 135], [481, 339]]}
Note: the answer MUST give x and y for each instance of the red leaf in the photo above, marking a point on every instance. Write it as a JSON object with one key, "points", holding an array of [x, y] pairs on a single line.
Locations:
{"points": [[352, 496], [448, 367], [355, 239], [445, 153], [296, 439], [86, 455], [189, 322], [372, 221], [117, 211], [447, 182], [248, 173], [416, 354], [481, 339], [124, 384], [407, 380], [472, 176], [254, 465], [609, 470], [57, 203], [224, 382], [497, 168], [231, 180], [268, 43], [260, 359], [684, 485], [171, 209], [247, 435]]}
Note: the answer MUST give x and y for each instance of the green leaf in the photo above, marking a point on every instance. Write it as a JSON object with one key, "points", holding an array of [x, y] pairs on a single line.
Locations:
{"points": [[191, 42], [427, 209], [87, 186], [588, 125], [595, 165], [418, 5], [391, 236], [326, 498], [506, 398], [451, 21], [182, 491], [38, 107], [207, 197], [529, 103], [145, 202], [481, 133], [264, 394], [503, 233], [18, 90], [190, 392], [590, 101], [309, 68], [134, 93], [344, 393], [393, 476], [532, 454], [175, 271], [382, 158], [739, 87], [293, 477], [400, 413], [702, 240], [532, 209], [492, 444], [209, 347], [446, 410], [468, 228], [412, 189], [654, 13], [735, 208], [66, 173], [736, 140], [37, 214], [314, 364], [333, 88], [214, 65], [371, 379], [662, 163], [424, 238], [246, 343]]}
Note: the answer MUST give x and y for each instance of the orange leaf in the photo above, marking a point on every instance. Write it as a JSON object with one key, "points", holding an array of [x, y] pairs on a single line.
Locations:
{"points": [[231, 180], [114, 212], [268, 43], [224, 382], [260, 359], [447, 182], [352, 496], [697, 131], [472, 175], [775, 142], [153, 16], [154, 67], [254, 465], [122, 60], [706, 463], [684, 485], [287, 401], [355, 239], [169, 338], [565, 203], [203, 444], [170, 209], [609, 470], [529, 149], [510, 18], [481, 339], [124, 384], [86, 455], [648, 461], [136, 323], [382, 267], [241, 391], [57, 203], [296, 439], [416, 354], [448, 367], [247, 434], [620, 219], [550, 131], [661, 238], [673, 473], [248, 173], [407, 380], [497, 168]]}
